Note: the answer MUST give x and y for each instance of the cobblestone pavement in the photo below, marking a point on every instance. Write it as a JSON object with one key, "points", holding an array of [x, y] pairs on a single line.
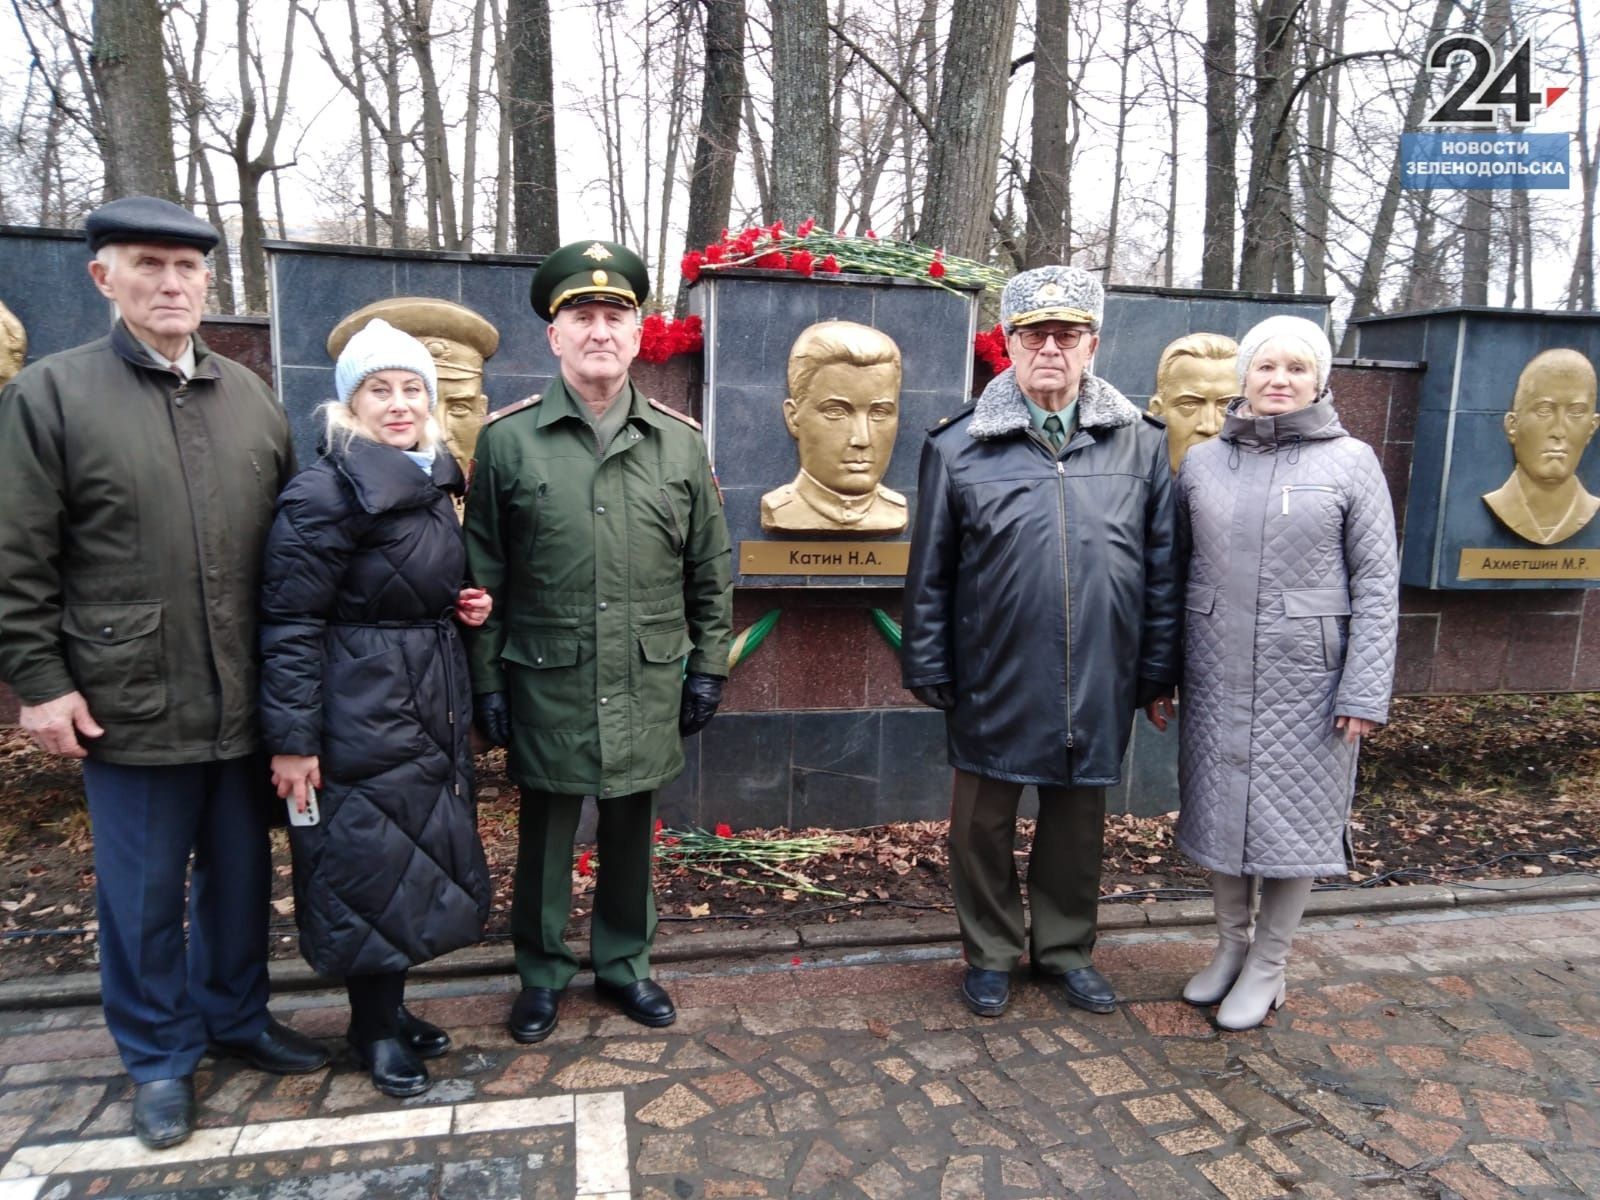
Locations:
{"points": [[1445, 1055]]}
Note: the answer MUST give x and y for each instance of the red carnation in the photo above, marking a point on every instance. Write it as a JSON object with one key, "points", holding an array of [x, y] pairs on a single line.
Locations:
{"points": [[724, 829], [805, 227], [655, 835], [716, 252], [776, 231], [745, 243], [773, 260], [802, 262], [872, 233], [829, 265], [936, 269], [690, 266], [584, 861]]}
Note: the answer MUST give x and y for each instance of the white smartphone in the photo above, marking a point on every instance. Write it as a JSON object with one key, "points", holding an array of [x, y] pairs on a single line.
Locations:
{"points": [[312, 814]]}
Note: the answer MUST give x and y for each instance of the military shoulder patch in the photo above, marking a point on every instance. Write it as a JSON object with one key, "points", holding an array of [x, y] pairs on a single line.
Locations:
{"points": [[952, 420], [672, 412], [511, 408]]}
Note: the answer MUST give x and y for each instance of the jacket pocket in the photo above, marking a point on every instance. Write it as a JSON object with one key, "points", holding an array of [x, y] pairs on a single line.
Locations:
{"points": [[661, 676], [370, 719], [1330, 607], [1200, 599], [540, 652], [114, 652], [550, 690]]}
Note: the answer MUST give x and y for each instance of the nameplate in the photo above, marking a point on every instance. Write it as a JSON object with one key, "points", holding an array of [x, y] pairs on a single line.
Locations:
{"points": [[1529, 564], [824, 558]]}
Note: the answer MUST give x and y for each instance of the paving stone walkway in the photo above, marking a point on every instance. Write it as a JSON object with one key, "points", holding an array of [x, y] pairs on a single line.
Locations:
{"points": [[1433, 1054]]}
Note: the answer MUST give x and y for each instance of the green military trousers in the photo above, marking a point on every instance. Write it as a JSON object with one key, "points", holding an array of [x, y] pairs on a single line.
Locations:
{"points": [[1063, 873], [624, 920]]}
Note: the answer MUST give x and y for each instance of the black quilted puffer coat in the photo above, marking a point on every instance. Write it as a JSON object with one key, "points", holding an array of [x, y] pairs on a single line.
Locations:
{"points": [[362, 666]]}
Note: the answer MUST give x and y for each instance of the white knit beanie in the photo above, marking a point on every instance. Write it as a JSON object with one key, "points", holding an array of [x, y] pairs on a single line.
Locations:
{"points": [[379, 346], [1308, 333]]}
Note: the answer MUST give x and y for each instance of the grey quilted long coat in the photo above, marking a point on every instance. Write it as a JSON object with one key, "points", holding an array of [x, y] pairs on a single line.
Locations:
{"points": [[1292, 612]]}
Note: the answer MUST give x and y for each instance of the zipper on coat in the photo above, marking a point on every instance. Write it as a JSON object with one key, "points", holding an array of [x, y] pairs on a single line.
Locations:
{"points": [[1066, 585], [1304, 487]]}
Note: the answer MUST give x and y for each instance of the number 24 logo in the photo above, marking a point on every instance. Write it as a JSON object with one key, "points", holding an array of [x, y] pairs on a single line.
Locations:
{"points": [[1475, 100]]}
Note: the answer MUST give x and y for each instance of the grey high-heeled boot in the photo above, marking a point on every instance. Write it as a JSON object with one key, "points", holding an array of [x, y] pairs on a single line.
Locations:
{"points": [[1230, 897], [1260, 987]]}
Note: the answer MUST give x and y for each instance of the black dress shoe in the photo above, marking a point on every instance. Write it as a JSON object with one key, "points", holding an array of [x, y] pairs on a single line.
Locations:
{"points": [[986, 992], [426, 1038], [277, 1049], [163, 1111], [396, 1069], [533, 1014], [1084, 987], [643, 1000]]}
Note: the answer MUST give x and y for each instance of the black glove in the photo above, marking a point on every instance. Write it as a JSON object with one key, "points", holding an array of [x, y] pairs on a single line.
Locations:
{"points": [[936, 695], [493, 716], [1151, 690], [701, 695]]}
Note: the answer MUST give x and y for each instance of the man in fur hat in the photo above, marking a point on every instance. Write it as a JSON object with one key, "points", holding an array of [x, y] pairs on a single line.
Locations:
{"points": [[1042, 607]]}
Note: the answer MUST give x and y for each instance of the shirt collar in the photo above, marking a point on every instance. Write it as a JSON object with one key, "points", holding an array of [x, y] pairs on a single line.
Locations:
{"points": [[1068, 415], [183, 364]]}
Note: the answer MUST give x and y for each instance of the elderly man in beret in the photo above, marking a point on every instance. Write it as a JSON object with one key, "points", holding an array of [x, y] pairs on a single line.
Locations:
{"points": [[595, 523], [137, 477], [1042, 609]]}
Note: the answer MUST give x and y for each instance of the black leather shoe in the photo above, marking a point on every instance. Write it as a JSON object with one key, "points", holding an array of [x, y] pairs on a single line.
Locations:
{"points": [[426, 1038], [277, 1049], [163, 1111], [396, 1069], [987, 993], [1084, 987], [533, 1014], [643, 1000]]}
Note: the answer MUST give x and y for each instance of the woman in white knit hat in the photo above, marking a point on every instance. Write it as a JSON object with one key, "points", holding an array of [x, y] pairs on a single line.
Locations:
{"points": [[1289, 641], [366, 702]]}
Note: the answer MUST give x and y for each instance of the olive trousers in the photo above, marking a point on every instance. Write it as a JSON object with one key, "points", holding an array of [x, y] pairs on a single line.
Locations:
{"points": [[1063, 873], [623, 924]]}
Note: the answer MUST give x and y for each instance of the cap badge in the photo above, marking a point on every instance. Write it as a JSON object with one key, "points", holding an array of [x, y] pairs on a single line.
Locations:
{"points": [[600, 278], [1050, 291], [597, 252]]}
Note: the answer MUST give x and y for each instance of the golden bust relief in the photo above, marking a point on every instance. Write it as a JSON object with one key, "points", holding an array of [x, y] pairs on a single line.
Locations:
{"points": [[1195, 381], [1551, 420], [459, 340], [843, 411], [13, 345]]}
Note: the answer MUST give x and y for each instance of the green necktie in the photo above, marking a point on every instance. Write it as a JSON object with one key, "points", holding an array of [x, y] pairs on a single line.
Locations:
{"points": [[1054, 430]]}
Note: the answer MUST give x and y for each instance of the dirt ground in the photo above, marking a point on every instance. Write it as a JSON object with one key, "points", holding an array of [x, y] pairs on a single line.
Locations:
{"points": [[1454, 789]]}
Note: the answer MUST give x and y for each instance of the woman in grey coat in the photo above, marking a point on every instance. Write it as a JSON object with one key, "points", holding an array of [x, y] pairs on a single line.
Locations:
{"points": [[1289, 640]]}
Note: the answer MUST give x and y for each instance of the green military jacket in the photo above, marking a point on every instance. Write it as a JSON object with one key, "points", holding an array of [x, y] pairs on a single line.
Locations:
{"points": [[135, 508], [607, 574]]}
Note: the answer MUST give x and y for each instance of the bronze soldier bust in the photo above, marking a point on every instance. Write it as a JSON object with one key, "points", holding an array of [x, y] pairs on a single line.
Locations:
{"points": [[1551, 420], [1195, 380], [843, 410], [13, 345]]}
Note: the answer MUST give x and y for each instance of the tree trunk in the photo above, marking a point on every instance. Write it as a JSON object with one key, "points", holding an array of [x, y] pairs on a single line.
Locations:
{"points": [[1045, 192], [676, 103], [800, 115], [761, 162], [531, 88], [1322, 125], [1580, 286], [959, 199], [416, 22], [1121, 141], [369, 188], [716, 150], [1365, 301], [1477, 219], [1222, 143], [394, 142], [1268, 224], [469, 153], [502, 157], [131, 80]]}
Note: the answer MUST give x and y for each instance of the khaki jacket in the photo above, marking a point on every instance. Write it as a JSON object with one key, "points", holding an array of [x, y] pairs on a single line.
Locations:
{"points": [[610, 577], [135, 510]]}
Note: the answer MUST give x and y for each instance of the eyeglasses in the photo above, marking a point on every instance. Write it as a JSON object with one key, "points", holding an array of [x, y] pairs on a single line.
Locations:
{"points": [[1034, 339]]}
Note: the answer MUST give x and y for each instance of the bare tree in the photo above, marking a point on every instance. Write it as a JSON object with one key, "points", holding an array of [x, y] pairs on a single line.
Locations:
{"points": [[131, 80], [1580, 286], [1222, 138], [1266, 257], [1477, 221], [966, 147], [531, 88], [186, 74], [717, 144], [800, 116], [1048, 230]]}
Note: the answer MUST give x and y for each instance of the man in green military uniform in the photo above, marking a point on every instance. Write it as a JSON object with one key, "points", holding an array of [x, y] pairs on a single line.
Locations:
{"points": [[594, 521]]}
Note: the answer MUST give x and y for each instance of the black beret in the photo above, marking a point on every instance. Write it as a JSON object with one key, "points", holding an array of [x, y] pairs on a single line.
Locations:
{"points": [[588, 272], [147, 219]]}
